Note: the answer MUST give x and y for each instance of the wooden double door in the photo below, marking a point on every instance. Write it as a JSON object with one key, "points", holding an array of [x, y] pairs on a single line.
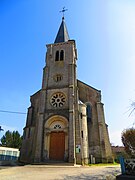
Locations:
{"points": [[57, 146]]}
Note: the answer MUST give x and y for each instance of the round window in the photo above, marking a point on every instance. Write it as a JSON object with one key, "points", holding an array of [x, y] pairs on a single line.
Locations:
{"points": [[58, 100]]}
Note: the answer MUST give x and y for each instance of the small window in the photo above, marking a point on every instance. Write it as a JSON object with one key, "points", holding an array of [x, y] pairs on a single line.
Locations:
{"points": [[15, 153], [82, 133], [61, 55], [2, 152], [81, 116], [89, 112], [57, 56], [57, 126], [9, 153], [58, 77]]}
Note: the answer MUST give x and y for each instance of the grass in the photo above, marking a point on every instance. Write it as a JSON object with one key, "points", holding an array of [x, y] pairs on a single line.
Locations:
{"points": [[104, 164]]}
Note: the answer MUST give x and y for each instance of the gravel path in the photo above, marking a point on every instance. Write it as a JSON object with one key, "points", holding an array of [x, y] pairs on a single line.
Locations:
{"points": [[50, 172]]}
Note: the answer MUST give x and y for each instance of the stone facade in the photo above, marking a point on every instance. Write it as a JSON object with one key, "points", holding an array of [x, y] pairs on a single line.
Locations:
{"points": [[65, 121]]}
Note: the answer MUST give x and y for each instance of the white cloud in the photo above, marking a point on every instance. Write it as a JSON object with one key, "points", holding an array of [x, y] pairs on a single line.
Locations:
{"points": [[115, 138]]}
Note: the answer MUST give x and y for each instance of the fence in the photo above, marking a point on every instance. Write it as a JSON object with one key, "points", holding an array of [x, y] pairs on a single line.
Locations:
{"points": [[127, 166]]}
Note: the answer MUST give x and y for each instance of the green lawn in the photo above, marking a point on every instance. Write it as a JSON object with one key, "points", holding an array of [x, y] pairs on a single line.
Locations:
{"points": [[104, 164]]}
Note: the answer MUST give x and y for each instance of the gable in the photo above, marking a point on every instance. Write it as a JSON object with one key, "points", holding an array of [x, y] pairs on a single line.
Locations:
{"points": [[88, 93]]}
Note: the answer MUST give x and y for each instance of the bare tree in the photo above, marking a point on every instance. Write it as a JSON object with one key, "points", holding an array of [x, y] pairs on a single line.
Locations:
{"points": [[128, 140]]}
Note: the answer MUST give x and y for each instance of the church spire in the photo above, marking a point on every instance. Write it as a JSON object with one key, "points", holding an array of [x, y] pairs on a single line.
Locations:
{"points": [[62, 35]]}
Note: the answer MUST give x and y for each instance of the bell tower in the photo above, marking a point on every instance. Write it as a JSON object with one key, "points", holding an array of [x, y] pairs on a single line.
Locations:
{"points": [[60, 85]]}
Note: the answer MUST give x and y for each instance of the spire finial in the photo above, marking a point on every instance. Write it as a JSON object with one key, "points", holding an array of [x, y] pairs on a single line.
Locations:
{"points": [[63, 11]]}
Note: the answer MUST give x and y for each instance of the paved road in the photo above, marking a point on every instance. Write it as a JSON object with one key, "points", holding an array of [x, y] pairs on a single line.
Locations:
{"points": [[51, 172]]}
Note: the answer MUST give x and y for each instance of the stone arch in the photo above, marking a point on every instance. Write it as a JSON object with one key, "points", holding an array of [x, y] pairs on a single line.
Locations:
{"points": [[56, 119], [55, 126]]}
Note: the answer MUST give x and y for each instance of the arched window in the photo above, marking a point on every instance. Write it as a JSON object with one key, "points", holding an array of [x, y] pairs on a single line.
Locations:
{"points": [[57, 77], [57, 126], [57, 56], [61, 55], [89, 113]]}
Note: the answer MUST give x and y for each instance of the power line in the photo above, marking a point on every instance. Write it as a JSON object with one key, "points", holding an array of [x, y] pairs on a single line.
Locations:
{"points": [[13, 112]]}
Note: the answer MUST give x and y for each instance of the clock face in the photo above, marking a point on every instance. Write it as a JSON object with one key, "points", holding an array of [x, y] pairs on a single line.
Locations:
{"points": [[58, 99]]}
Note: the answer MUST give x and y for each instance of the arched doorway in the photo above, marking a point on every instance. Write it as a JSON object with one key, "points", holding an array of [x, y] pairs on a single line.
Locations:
{"points": [[56, 138]]}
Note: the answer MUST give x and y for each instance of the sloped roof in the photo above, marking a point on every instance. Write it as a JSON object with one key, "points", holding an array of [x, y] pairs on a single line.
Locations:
{"points": [[88, 85], [62, 35]]}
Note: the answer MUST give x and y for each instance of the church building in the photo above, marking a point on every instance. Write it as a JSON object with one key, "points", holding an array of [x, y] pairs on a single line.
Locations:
{"points": [[65, 122]]}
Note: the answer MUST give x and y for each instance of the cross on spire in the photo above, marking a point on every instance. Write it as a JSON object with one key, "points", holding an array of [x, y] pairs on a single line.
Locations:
{"points": [[63, 11]]}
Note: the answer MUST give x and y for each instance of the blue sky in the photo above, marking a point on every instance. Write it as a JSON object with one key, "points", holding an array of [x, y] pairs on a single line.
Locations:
{"points": [[104, 31]]}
